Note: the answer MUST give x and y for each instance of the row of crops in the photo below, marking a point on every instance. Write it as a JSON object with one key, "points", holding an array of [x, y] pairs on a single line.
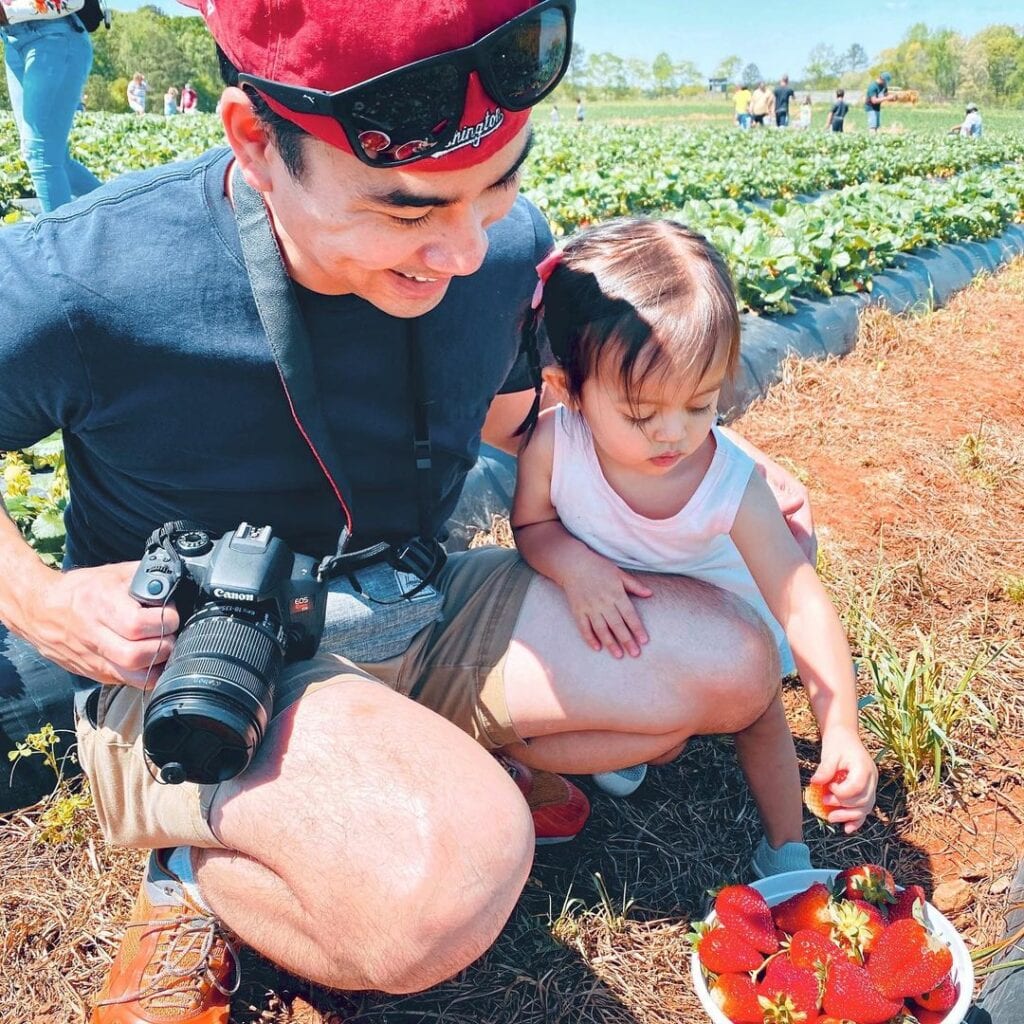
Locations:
{"points": [[881, 196]]}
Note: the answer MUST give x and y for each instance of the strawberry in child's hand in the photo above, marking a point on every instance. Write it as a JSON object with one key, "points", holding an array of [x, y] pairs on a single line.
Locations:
{"points": [[722, 952], [807, 909], [868, 882], [812, 949], [736, 997], [744, 911], [909, 903], [850, 994], [788, 994], [908, 960], [815, 793], [940, 999]]}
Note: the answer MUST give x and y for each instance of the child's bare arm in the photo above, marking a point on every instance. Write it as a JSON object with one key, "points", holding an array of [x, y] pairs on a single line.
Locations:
{"points": [[598, 591], [797, 599]]}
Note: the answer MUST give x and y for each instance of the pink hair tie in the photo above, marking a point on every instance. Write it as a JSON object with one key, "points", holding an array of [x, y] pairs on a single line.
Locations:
{"points": [[544, 270]]}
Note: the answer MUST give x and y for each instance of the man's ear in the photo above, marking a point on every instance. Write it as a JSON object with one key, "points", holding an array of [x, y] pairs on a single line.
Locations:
{"points": [[555, 383], [247, 138]]}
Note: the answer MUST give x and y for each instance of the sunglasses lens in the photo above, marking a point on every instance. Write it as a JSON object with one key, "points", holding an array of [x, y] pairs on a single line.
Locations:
{"points": [[395, 119], [528, 60]]}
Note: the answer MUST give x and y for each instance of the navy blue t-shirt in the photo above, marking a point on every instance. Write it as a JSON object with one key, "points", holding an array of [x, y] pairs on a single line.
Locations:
{"points": [[128, 322]]}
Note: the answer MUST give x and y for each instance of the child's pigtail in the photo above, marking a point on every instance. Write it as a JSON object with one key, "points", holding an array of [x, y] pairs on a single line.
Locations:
{"points": [[530, 345]]}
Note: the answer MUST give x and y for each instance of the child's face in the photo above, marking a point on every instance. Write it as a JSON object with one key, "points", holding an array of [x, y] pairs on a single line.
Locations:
{"points": [[667, 425]]}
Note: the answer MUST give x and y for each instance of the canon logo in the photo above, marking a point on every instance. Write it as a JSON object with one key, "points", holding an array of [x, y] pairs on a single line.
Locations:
{"points": [[233, 595]]}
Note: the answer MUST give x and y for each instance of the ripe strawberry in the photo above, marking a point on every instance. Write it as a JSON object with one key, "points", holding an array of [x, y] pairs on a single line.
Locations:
{"points": [[868, 882], [743, 910], [812, 949], [807, 909], [788, 991], [858, 926], [815, 792], [940, 999], [722, 952], [736, 997], [850, 994], [908, 960], [929, 1016], [909, 903]]}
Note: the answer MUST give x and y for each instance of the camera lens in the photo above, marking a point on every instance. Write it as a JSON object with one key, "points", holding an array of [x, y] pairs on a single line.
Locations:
{"points": [[213, 701]]}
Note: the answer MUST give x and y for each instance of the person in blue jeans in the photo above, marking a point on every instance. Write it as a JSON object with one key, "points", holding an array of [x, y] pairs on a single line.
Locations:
{"points": [[48, 62]]}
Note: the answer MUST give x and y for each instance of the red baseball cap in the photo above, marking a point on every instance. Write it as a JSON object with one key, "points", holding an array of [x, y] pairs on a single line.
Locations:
{"points": [[332, 46]]}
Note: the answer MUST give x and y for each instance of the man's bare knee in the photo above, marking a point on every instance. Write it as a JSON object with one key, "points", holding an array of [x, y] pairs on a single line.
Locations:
{"points": [[469, 886]]}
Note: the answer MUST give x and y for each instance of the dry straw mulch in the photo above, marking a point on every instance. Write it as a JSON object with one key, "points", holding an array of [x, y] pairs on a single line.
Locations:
{"points": [[912, 449]]}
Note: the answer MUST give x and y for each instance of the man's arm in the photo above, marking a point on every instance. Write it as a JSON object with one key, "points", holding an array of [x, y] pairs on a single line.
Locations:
{"points": [[791, 495], [504, 417]]}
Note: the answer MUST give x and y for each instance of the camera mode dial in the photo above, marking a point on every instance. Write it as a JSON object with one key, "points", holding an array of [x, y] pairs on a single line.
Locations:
{"points": [[192, 543]]}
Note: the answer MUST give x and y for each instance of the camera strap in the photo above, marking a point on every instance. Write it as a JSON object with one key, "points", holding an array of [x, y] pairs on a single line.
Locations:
{"points": [[290, 345]]}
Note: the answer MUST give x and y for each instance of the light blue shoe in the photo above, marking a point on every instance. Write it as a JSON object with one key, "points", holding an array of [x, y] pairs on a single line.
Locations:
{"points": [[768, 861], [623, 782]]}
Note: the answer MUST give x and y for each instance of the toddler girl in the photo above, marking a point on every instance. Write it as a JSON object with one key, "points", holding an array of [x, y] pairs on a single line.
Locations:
{"points": [[630, 473]]}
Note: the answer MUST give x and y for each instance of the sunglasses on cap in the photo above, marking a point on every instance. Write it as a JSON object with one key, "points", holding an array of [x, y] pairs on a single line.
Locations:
{"points": [[416, 110]]}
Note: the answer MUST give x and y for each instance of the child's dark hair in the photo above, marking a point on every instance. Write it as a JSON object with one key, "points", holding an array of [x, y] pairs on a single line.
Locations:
{"points": [[840, 93], [652, 292]]}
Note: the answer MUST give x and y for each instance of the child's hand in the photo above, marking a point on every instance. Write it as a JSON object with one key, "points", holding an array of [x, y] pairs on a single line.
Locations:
{"points": [[599, 598], [853, 798]]}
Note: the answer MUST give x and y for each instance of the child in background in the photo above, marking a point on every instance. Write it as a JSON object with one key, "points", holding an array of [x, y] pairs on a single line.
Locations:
{"points": [[804, 120], [170, 101], [837, 115], [630, 474]]}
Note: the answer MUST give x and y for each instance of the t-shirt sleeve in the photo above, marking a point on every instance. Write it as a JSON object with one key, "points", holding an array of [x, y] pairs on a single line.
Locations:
{"points": [[519, 377], [43, 384]]}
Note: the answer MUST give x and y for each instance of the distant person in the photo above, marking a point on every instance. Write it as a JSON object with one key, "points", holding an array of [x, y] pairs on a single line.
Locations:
{"points": [[741, 106], [581, 111], [837, 115], [136, 92], [762, 105], [48, 60], [170, 101], [971, 126], [189, 100], [804, 117], [555, 116], [876, 95], [782, 93]]}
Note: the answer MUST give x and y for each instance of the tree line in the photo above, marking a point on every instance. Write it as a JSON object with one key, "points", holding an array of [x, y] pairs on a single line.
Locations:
{"points": [[987, 67]]}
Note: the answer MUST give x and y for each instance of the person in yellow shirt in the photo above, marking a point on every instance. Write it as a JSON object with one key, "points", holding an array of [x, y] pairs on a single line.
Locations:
{"points": [[741, 100]]}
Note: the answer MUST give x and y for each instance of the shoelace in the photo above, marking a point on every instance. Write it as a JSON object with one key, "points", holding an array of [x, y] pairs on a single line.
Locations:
{"points": [[164, 990]]}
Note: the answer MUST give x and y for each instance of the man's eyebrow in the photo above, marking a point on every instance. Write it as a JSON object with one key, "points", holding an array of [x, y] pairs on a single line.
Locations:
{"points": [[399, 197]]}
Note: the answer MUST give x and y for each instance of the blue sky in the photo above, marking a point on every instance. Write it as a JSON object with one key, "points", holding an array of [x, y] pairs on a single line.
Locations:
{"points": [[775, 36]]}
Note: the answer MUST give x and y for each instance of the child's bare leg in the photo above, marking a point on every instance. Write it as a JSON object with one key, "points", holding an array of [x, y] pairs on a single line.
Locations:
{"points": [[767, 756]]}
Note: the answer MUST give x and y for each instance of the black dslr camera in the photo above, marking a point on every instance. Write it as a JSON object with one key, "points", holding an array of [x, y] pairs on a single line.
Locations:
{"points": [[249, 606]]}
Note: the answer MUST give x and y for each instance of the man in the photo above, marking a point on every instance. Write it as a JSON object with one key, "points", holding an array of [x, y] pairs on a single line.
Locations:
{"points": [[762, 105], [783, 94], [873, 100], [411, 261], [971, 126]]}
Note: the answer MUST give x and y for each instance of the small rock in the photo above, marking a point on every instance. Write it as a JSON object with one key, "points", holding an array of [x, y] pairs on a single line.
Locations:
{"points": [[1000, 885], [952, 897]]}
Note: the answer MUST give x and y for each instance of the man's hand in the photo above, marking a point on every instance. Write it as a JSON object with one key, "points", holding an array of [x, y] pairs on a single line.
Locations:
{"points": [[85, 621], [599, 597], [794, 501]]}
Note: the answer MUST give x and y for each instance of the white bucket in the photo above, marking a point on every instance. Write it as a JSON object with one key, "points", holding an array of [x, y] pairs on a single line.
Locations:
{"points": [[781, 887]]}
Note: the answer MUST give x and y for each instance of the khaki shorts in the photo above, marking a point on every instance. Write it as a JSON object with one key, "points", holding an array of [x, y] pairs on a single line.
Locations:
{"points": [[454, 667]]}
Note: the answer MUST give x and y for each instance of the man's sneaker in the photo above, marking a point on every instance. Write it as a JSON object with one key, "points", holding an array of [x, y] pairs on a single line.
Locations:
{"points": [[623, 782], [174, 966], [559, 809]]}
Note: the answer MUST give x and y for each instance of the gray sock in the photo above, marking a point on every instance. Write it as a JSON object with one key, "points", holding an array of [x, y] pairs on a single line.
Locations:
{"points": [[769, 861]]}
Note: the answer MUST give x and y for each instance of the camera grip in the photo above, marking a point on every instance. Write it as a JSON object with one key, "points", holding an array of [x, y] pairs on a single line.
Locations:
{"points": [[154, 579]]}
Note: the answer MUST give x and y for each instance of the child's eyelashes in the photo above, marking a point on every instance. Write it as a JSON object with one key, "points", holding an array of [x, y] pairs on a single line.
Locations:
{"points": [[639, 421]]}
